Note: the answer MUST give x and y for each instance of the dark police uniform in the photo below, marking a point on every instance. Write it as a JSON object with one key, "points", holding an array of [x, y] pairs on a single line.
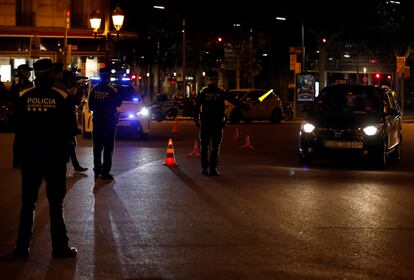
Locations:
{"points": [[44, 125], [209, 114], [66, 80], [103, 101], [19, 83]]}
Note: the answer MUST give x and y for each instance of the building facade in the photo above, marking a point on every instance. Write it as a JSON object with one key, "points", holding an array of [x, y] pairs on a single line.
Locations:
{"points": [[55, 29]]}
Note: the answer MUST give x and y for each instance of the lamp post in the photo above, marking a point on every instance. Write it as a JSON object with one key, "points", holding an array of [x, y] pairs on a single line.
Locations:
{"points": [[303, 47], [303, 59], [117, 20], [184, 62], [95, 20]]}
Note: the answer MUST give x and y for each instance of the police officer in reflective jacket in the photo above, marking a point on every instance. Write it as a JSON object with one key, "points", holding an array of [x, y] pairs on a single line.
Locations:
{"points": [[103, 102], [44, 126], [209, 116]]}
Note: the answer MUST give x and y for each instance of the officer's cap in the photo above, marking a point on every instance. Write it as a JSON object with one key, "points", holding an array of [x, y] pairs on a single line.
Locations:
{"points": [[43, 66], [212, 75], [22, 67]]}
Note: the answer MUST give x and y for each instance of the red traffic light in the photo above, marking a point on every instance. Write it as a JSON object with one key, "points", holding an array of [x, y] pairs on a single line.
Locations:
{"points": [[377, 76], [220, 39]]}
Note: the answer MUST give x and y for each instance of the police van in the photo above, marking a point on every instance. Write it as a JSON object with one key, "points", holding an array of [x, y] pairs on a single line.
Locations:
{"points": [[133, 116]]}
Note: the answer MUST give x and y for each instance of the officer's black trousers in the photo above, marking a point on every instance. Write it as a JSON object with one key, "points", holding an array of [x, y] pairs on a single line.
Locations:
{"points": [[213, 133], [33, 173], [103, 137], [72, 151]]}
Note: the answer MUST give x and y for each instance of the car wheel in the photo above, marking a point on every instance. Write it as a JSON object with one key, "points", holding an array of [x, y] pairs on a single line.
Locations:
{"points": [[287, 116], [235, 116], [276, 116], [171, 114]]}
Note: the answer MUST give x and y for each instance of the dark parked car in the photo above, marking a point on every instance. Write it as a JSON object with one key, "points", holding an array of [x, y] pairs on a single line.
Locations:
{"points": [[352, 119], [264, 105]]}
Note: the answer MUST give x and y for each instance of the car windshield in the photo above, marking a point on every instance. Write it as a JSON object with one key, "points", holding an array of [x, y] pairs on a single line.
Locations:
{"points": [[129, 93], [348, 100]]}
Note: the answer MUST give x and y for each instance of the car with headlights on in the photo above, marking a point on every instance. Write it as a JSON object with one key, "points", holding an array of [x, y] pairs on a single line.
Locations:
{"points": [[264, 105], [356, 120], [133, 116]]}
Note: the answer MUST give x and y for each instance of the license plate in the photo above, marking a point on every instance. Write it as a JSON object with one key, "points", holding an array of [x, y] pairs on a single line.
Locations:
{"points": [[343, 145], [123, 123]]}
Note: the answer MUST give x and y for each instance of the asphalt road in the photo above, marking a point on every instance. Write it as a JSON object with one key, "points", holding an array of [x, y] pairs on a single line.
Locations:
{"points": [[265, 217]]}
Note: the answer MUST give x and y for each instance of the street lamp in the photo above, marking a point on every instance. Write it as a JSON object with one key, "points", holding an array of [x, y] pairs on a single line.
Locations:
{"points": [[117, 19], [95, 19]]}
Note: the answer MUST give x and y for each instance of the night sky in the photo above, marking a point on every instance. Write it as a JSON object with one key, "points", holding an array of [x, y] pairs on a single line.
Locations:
{"points": [[354, 20], [215, 13]]}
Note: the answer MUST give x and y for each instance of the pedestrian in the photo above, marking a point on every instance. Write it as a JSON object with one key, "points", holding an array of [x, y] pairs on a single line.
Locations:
{"points": [[20, 82], [66, 80], [44, 126], [209, 117], [103, 102]]}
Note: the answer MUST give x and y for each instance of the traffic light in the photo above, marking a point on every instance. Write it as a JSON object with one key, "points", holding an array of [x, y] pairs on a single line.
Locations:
{"points": [[219, 39], [383, 79]]}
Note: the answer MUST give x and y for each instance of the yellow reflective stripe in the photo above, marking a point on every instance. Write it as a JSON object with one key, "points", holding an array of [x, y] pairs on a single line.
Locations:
{"points": [[21, 93], [261, 98]]}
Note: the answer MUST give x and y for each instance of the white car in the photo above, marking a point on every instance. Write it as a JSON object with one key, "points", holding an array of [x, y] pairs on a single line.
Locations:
{"points": [[264, 105], [133, 117]]}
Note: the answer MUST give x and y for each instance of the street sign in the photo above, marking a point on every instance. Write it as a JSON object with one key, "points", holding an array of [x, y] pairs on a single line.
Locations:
{"points": [[305, 87]]}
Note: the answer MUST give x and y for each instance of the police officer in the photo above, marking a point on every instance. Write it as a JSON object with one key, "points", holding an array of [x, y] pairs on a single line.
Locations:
{"points": [[209, 116], [20, 82], [66, 80], [103, 102], [44, 124]]}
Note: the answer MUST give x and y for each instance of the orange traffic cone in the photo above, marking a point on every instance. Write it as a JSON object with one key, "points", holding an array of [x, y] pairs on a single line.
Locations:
{"points": [[236, 134], [195, 152], [175, 126], [170, 158], [247, 144]]}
